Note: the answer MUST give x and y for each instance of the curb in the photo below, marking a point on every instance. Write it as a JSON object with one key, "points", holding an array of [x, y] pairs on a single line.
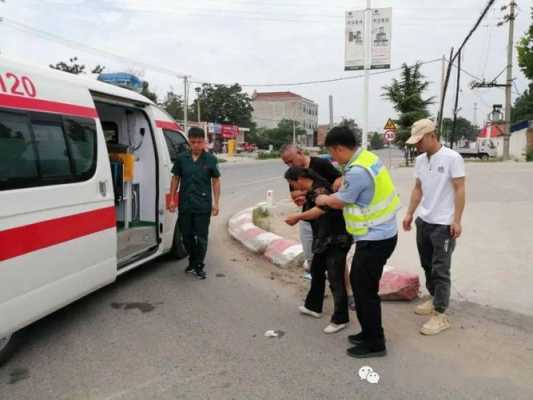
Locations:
{"points": [[284, 253]]}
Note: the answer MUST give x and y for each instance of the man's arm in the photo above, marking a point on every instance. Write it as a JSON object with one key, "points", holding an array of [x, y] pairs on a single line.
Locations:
{"points": [[337, 184], [459, 199], [416, 198], [298, 197], [329, 201], [215, 182], [174, 184], [309, 215]]}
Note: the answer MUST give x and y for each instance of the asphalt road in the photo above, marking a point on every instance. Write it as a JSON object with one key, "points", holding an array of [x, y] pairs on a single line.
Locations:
{"points": [[160, 334]]}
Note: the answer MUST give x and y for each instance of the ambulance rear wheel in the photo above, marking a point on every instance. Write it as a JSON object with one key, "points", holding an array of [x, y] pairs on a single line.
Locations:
{"points": [[178, 250], [8, 345]]}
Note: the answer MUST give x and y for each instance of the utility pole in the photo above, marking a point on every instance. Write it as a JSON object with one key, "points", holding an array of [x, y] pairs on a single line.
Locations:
{"points": [[198, 102], [453, 135], [368, 55], [330, 112], [475, 115], [185, 104], [508, 100], [443, 97], [442, 80]]}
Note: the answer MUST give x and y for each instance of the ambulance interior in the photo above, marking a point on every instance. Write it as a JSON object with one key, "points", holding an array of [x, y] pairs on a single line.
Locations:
{"points": [[132, 155]]}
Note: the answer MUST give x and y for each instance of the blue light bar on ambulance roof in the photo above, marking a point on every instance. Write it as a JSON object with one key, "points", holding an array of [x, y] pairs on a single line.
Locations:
{"points": [[124, 80]]}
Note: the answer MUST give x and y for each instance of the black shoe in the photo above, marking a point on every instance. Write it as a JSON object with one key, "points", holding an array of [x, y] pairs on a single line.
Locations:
{"points": [[356, 339], [200, 274], [364, 350], [190, 269]]}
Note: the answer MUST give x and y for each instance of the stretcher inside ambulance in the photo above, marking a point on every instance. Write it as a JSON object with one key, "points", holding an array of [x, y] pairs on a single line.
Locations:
{"points": [[85, 171]]}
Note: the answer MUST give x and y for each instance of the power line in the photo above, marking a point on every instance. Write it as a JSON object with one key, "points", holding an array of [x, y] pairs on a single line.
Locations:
{"points": [[260, 15], [315, 82], [476, 25], [164, 70]]}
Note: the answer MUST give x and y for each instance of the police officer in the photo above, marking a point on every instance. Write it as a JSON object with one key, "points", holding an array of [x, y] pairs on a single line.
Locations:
{"points": [[370, 204], [197, 175]]}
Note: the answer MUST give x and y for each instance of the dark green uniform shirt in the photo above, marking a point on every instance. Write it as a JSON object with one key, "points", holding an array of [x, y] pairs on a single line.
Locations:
{"points": [[195, 181]]}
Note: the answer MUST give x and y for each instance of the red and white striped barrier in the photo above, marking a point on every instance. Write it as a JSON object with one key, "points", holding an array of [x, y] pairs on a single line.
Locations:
{"points": [[282, 252]]}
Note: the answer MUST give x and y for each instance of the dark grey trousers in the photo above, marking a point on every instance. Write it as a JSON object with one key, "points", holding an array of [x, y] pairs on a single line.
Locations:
{"points": [[435, 247]]}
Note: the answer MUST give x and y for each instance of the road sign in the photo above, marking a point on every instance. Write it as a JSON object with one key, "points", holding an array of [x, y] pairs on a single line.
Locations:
{"points": [[390, 135], [390, 125]]}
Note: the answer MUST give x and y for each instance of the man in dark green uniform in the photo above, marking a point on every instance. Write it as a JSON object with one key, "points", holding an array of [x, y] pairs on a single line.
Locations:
{"points": [[197, 175]]}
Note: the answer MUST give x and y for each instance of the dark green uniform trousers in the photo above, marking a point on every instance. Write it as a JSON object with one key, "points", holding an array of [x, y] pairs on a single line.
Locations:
{"points": [[195, 230]]}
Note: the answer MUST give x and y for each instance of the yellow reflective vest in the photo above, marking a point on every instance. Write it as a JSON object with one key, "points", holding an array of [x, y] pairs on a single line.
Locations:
{"points": [[385, 203]]}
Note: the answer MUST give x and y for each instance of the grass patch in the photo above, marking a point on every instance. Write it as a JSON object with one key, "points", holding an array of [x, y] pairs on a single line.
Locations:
{"points": [[268, 155]]}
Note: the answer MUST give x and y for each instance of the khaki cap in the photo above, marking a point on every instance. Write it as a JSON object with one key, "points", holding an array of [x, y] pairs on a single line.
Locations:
{"points": [[419, 129]]}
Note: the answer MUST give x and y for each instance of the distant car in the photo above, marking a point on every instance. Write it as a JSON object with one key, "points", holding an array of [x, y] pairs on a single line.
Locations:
{"points": [[246, 147]]}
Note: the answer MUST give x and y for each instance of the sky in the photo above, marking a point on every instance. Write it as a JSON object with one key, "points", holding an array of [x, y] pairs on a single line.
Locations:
{"points": [[255, 42]]}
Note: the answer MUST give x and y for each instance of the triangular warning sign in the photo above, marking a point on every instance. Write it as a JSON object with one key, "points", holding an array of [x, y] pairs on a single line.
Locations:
{"points": [[390, 125]]}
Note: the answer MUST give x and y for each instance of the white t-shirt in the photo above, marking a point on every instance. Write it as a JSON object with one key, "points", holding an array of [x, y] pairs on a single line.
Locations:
{"points": [[436, 174]]}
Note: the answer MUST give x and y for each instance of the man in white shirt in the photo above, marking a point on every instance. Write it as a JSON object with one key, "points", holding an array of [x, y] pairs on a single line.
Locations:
{"points": [[439, 196]]}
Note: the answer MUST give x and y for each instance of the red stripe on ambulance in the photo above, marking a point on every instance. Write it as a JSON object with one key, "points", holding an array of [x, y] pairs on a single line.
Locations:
{"points": [[29, 104], [25, 239], [173, 126]]}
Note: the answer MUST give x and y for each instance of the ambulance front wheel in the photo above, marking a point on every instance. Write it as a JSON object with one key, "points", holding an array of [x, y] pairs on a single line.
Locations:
{"points": [[8, 345], [178, 250]]}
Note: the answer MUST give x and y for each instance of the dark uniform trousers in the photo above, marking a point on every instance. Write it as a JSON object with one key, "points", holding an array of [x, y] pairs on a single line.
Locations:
{"points": [[367, 267], [195, 230]]}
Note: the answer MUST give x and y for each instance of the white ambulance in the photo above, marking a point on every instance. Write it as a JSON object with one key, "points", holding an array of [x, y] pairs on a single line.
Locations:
{"points": [[85, 171]]}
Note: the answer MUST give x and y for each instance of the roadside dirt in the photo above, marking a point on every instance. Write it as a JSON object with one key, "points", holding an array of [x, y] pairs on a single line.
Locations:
{"points": [[484, 342]]}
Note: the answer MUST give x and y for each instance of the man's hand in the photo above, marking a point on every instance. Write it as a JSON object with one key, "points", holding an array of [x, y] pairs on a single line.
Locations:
{"points": [[298, 196], [407, 221], [215, 210], [172, 206], [322, 200], [455, 230], [292, 219], [337, 184], [299, 201]]}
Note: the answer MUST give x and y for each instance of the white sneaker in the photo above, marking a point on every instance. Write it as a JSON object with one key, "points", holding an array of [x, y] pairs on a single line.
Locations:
{"points": [[439, 322], [306, 311], [334, 328], [426, 308]]}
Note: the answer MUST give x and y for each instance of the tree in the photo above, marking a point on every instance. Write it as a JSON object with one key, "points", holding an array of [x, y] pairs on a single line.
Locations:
{"points": [[173, 104], [406, 96], [525, 52], [354, 127], [224, 104], [377, 142], [523, 107], [464, 129], [280, 135], [73, 67]]}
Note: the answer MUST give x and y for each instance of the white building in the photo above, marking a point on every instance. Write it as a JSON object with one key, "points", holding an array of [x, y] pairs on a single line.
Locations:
{"points": [[272, 107]]}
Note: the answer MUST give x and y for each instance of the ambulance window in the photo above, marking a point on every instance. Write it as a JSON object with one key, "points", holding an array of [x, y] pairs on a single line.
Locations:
{"points": [[51, 146], [176, 143], [17, 155], [81, 138]]}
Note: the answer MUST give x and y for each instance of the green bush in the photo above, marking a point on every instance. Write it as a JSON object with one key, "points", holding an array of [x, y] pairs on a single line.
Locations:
{"points": [[264, 155], [529, 155]]}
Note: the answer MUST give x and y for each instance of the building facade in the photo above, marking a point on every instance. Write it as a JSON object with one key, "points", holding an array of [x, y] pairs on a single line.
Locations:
{"points": [[270, 108]]}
